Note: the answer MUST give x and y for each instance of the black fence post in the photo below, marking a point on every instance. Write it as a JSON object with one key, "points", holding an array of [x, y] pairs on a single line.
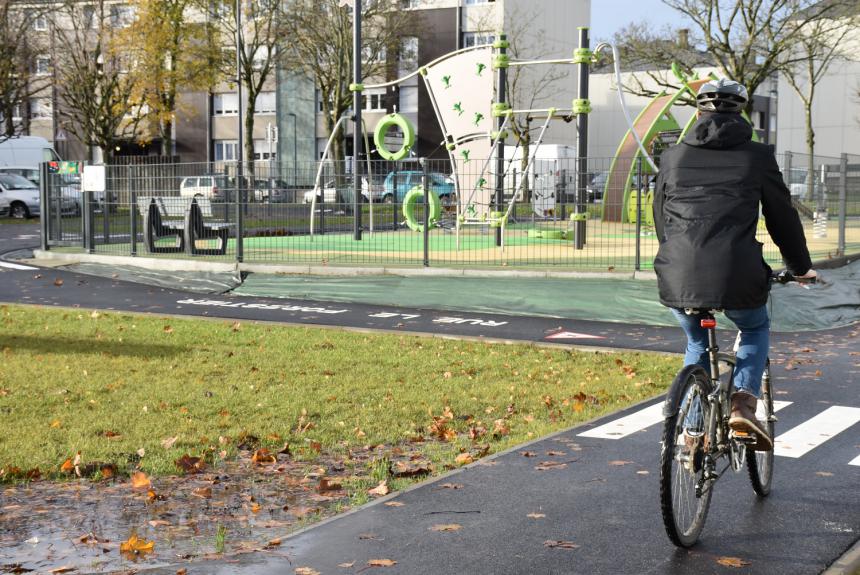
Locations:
{"points": [[132, 211], [638, 214], [89, 232], [394, 193], [425, 182], [843, 201], [44, 204], [240, 220]]}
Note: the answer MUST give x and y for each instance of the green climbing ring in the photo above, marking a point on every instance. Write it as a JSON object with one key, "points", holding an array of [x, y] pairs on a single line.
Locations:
{"points": [[410, 201], [388, 122]]}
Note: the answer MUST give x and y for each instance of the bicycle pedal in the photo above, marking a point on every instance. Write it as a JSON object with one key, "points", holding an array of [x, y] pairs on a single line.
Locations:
{"points": [[744, 437]]}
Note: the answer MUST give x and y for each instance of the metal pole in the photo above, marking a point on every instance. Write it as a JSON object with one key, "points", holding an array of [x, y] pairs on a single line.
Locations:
{"points": [[132, 211], [843, 200], [240, 141], [502, 45], [580, 215], [356, 130], [638, 212], [295, 151], [45, 206], [425, 182]]}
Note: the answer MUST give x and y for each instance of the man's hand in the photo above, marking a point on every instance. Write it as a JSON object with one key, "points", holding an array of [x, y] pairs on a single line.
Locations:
{"points": [[808, 275]]}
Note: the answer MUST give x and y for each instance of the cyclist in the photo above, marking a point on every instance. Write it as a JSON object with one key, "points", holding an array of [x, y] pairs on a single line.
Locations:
{"points": [[706, 210]]}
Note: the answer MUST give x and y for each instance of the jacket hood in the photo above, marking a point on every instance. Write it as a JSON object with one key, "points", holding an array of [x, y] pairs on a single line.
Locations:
{"points": [[719, 131]]}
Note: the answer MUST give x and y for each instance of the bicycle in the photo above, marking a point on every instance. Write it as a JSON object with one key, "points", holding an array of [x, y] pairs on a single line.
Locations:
{"points": [[696, 436]]}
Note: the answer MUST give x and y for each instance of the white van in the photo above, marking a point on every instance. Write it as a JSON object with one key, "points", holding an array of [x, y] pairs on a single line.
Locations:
{"points": [[26, 151]]}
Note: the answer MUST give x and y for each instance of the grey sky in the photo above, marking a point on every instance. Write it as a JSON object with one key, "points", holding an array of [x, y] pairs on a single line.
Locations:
{"points": [[608, 16]]}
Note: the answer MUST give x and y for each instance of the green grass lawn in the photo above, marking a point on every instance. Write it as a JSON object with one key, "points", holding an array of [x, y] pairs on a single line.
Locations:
{"points": [[109, 385]]}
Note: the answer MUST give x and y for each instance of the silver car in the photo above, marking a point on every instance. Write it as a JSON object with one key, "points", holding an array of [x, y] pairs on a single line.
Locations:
{"points": [[22, 194]]}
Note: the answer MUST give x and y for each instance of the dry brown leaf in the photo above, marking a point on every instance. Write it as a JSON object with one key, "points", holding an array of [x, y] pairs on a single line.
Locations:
{"points": [[536, 515], [824, 473], [382, 563], [447, 527], [56, 424], [63, 569], [58, 282], [346, 565], [733, 562], [182, 571], [560, 544], [168, 443], [203, 492], [451, 486], [464, 459], [67, 466], [139, 480], [168, 329], [255, 508], [263, 457], [327, 484], [273, 543], [306, 571], [381, 489], [545, 465], [528, 453], [619, 462], [159, 523], [190, 464], [136, 546], [394, 504]]}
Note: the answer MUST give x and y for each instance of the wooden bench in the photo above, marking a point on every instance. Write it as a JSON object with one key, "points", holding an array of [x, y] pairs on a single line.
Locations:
{"points": [[184, 219]]}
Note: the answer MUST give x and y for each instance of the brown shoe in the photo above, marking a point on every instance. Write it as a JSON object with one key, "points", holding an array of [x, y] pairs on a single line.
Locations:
{"points": [[743, 420]]}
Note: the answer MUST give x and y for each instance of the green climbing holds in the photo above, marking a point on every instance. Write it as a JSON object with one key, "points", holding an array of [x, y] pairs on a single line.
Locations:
{"points": [[501, 109], [481, 68], [356, 87], [450, 147], [447, 81], [478, 117], [501, 61], [582, 56], [458, 107], [410, 202], [581, 106], [465, 154], [547, 234], [498, 219], [382, 128], [496, 135], [481, 183], [501, 44], [581, 217]]}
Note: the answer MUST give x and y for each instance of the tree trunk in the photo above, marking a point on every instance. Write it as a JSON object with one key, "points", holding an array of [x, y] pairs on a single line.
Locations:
{"points": [[810, 150], [524, 164], [167, 138], [249, 139]]}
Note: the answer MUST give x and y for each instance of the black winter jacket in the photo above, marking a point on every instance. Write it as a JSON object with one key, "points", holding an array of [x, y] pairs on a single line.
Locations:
{"points": [[706, 209]]}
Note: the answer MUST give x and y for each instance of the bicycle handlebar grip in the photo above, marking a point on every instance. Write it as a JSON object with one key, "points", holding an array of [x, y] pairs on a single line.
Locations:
{"points": [[786, 276]]}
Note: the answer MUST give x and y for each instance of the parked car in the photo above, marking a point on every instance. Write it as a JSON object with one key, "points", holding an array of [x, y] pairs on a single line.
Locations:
{"points": [[4, 206], [22, 195], [329, 192], [595, 188], [212, 186], [406, 180], [26, 151], [798, 184], [273, 190]]}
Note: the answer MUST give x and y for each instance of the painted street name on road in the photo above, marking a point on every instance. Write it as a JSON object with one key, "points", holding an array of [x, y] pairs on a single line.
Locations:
{"points": [[263, 306]]}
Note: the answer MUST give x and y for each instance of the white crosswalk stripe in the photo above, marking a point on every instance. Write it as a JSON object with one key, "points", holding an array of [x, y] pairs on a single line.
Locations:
{"points": [[855, 461], [12, 266], [813, 432], [644, 418]]}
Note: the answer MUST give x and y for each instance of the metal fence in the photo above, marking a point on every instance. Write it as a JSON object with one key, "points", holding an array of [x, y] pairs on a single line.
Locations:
{"points": [[266, 214]]}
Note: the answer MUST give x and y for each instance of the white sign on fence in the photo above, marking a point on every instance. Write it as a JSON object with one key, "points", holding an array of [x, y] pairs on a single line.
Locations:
{"points": [[93, 179]]}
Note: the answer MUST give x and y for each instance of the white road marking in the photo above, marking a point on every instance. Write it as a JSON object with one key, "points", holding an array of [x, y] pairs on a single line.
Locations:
{"points": [[15, 266], [855, 461], [628, 424], [645, 418], [777, 405], [811, 433]]}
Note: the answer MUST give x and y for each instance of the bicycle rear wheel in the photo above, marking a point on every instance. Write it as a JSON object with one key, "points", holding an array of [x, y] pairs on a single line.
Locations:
{"points": [[682, 456], [760, 463]]}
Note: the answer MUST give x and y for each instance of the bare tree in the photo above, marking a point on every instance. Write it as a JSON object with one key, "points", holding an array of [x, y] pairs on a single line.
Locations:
{"points": [[20, 46], [261, 37], [98, 95], [320, 46], [818, 45], [748, 40], [172, 52]]}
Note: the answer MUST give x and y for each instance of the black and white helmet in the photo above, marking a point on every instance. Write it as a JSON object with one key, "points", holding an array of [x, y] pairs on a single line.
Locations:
{"points": [[725, 96]]}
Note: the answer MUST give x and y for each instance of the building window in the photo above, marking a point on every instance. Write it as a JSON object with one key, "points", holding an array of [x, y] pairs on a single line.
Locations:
{"points": [[121, 16], [408, 99], [40, 23], [43, 65], [477, 39], [409, 4], [408, 55], [40, 108], [373, 100], [265, 103], [90, 17], [226, 104], [261, 150], [226, 150], [473, 2]]}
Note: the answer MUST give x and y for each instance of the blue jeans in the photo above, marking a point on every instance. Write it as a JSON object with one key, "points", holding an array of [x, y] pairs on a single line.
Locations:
{"points": [[754, 325]]}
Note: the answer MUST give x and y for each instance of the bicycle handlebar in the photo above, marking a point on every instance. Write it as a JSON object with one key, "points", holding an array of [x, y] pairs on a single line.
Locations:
{"points": [[786, 276]]}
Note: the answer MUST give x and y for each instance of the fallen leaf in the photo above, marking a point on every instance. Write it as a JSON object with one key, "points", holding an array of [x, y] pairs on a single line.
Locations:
{"points": [[203, 492], [447, 527], [63, 569], [139, 480], [182, 571], [464, 459], [824, 473], [136, 546], [327, 484], [159, 523], [732, 562], [450, 486], [394, 504], [273, 543], [619, 462], [642, 472], [381, 489], [255, 508], [190, 464], [263, 457], [536, 515], [555, 453], [58, 282], [56, 424], [528, 453], [67, 466], [306, 571], [545, 465], [346, 565], [382, 563], [168, 329], [560, 544]]}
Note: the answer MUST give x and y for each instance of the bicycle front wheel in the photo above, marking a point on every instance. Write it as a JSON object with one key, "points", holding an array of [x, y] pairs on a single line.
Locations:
{"points": [[685, 434], [760, 463]]}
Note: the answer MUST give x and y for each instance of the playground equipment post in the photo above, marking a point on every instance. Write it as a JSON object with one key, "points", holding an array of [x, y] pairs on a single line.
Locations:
{"points": [[240, 151], [502, 44], [580, 214], [356, 108]]}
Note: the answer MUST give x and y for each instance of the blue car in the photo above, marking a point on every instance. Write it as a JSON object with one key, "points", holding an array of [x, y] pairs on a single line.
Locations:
{"points": [[406, 180]]}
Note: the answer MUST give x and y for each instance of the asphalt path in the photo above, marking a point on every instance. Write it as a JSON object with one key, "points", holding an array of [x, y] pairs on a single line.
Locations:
{"points": [[603, 500]]}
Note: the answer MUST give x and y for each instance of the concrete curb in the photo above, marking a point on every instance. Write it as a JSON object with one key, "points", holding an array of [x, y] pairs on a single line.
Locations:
{"points": [[847, 564], [165, 264]]}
